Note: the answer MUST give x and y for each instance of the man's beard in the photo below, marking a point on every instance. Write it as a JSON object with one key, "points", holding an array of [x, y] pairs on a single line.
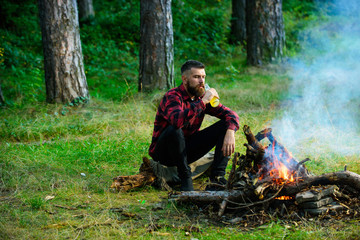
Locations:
{"points": [[196, 91]]}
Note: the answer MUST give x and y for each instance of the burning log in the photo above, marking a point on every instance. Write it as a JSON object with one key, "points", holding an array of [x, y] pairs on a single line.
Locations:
{"points": [[276, 161], [347, 179]]}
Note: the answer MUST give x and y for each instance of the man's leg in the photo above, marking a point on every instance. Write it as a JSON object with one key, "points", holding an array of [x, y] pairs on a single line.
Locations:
{"points": [[203, 141], [171, 151]]}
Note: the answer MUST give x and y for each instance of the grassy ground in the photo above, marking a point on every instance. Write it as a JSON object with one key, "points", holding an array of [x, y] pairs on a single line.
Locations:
{"points": [[56, 169]]}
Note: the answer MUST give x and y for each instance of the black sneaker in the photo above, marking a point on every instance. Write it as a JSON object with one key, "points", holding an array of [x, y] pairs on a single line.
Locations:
{"points": [[217, 183]]}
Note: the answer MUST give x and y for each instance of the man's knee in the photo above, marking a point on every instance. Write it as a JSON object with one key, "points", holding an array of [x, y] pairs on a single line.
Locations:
{"points": [[221, 128], [170, 147], [223, 124], [174, 133]]}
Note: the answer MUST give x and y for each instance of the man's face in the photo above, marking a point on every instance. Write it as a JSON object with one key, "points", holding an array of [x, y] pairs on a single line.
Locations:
{"points": [[194, 81]]}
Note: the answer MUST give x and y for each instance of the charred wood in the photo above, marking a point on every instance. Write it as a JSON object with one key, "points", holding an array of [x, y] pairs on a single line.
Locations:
{"points": [[231, 178], [256, 145]]}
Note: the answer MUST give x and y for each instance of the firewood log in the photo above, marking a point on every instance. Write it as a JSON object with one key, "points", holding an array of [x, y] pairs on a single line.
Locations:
{"points": [[342, 178], [145, 177], [208, 196]]}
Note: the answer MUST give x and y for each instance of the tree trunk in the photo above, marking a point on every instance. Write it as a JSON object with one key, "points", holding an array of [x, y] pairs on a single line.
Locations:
{"points": [[238, 23], [265, 31], [156, 45], [2, 99], [63, 60], [86, 10]]}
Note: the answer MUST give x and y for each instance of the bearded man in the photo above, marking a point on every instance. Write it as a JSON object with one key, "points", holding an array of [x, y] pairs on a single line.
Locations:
{"points": [[177, 139]]}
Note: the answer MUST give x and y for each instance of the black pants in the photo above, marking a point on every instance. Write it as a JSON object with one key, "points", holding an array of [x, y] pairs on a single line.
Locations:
{"points": [[173, 149]]}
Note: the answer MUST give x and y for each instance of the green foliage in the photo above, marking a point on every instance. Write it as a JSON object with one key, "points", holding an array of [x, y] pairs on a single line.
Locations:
{"points": [[110, 48], [21, 53], [20, 35], [200, 29], [74, 103], [298, 15], [117, 24], [35, 203]]}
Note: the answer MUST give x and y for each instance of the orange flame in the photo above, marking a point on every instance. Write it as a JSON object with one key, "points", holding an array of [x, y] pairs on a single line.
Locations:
{"points": [[284, 198], [278, 170]]}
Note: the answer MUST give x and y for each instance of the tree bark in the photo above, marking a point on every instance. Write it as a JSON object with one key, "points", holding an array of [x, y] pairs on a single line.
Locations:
{"points": [[2, 99], [156, 45], [210, 196], [238, 22], [86, 10], [265, 31], [63, 60]]}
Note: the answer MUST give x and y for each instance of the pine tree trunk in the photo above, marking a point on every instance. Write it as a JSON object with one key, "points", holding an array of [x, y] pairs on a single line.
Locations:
{"points": [[265, 31], [2, 99], [86, 10], [156, 45], [63, 60], [238, 22]]}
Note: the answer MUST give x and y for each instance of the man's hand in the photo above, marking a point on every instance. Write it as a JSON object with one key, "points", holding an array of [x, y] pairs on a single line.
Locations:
{"points": [[229, 143], [209, 94]]}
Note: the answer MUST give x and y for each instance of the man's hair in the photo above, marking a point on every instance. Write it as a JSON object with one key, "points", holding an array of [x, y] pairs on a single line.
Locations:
{"points": [[191, 64]]}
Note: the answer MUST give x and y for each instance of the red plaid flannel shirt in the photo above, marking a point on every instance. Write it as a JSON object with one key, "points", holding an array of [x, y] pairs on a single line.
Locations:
{"points": [[177, 109]]}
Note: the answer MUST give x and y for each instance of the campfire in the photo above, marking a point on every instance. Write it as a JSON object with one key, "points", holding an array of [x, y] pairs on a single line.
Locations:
{"points": [[269, 178]]}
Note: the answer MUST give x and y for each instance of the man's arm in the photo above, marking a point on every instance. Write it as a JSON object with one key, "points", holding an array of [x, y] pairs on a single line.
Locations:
{"points": [[229, 143], [232, 120], [225, 113]]}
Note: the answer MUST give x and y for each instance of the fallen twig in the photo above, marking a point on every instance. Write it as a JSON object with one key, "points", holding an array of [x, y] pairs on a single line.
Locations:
{"points": [[65, 207], [106, 223]]}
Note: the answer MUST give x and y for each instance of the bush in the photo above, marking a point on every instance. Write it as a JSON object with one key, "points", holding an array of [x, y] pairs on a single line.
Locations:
{"points": [[298, 15], [200, 28]]}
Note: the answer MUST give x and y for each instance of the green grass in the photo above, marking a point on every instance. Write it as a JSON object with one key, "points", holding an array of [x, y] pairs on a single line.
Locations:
{"points": [[73, 158], [71, 154]]}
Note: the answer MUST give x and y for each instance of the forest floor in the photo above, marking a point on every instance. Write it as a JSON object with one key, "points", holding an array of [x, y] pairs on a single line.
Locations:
{"points": [[56, 168]]}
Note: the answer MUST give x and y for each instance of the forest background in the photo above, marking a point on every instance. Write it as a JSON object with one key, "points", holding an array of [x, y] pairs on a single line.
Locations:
{"points": [[57, 161]]}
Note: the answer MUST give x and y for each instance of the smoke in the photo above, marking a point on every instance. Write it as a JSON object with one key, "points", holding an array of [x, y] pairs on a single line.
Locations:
{"points": [[322, 111]]}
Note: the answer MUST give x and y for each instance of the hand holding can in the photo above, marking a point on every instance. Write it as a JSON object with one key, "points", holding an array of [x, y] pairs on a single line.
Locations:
{"points": [[214, 102]]}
